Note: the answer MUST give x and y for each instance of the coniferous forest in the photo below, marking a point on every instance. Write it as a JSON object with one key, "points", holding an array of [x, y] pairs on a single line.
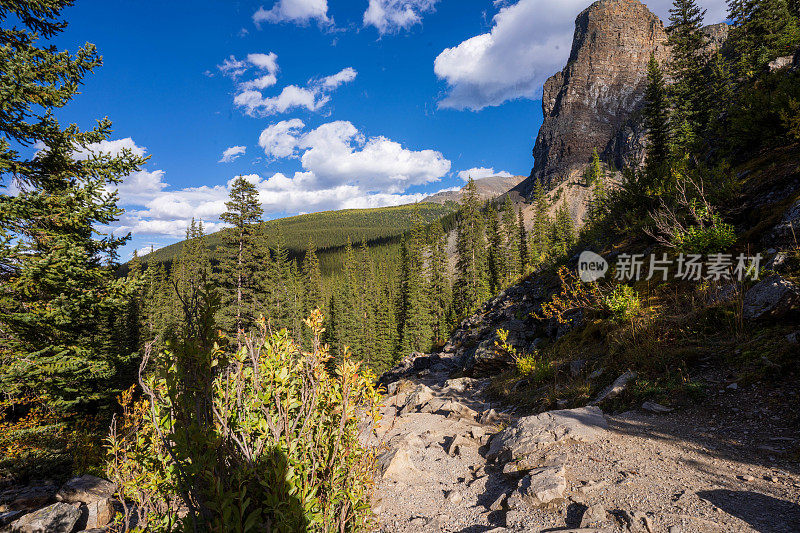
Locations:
{"points": [[222, 383]]}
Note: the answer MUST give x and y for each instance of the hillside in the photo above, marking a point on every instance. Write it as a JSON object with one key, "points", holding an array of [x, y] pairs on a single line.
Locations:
{"points": [[329, 229]]}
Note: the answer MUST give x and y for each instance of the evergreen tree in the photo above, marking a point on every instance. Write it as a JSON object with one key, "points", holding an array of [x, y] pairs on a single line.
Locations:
{"points": [[312, 276], [189, 277], [656, 117], [689, 93], [540, 233], [563, 231], [763, 30], [386, 349], [367, 302], [471, 287], [522, 239], [511, 236], [235, 280], [55, 290], [441, 292], [417, 330], [496, 256]]}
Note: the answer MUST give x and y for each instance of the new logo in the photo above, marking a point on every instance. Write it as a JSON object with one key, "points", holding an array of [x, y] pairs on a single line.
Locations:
{"points": [[591, 266]]}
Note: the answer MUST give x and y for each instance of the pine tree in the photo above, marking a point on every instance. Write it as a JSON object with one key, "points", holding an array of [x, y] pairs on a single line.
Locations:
{"points": [[540, 233], [386, 350], [441, 292], [235, 279], [563, 231], [763, 30], [416, 319], [367, 301], [312, 277], [471, 286], [522, 239], [496, 256], [656, 115], [511, 237], [55, 290], [189, 278], [689, 93]]}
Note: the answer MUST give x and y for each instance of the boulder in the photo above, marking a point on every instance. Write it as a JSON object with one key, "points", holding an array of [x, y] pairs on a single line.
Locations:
{"points": [[459, 411], [86, 489], [771, 298], [396, 465], [532, 434], [97, 514], [418, 398], [57, 518], [27, 498], [595, 516], [539, 487], [616, 388], [654, 407]]}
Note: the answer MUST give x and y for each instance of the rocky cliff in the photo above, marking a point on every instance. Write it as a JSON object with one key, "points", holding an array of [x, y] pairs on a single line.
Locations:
{"points": [[595, 102]]}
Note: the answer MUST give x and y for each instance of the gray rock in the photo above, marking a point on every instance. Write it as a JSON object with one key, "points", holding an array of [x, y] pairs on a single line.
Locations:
{"points": [[793, 338], [8, 517], [86, 489], [421, 395], [57, 518], [396, 465], [655, 407], [456, 444], [533, 433], [98, 514], [595, 516], [539, 487], [455, 497], [27, 498], [788, 229], [773, 297], [616, 388]]}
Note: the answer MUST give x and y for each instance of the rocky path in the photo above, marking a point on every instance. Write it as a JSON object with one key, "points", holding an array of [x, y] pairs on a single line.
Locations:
{"points": [[452, 462]]}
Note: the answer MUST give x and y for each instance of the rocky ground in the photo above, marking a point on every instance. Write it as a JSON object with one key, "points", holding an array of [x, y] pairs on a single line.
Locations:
{"points": [[452, 462]]}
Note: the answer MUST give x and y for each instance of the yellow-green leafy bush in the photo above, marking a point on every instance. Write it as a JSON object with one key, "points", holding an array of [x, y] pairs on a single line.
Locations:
{"points": [[622, 302], [280, 451]]}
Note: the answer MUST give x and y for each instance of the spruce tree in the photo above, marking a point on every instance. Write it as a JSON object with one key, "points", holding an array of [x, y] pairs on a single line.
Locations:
{"points": [[511, 237], [235, 277], [656, 118], [522, 239], [496, 257], [540, 233], [763, 30], [441, 292], [312, 277], [471, 286], [417, 331], [689, 91], [563, 231], [56, 292], [189, 278]]}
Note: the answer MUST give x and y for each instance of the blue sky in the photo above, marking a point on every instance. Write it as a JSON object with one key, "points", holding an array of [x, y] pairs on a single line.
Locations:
{"points": [[334, 103]]}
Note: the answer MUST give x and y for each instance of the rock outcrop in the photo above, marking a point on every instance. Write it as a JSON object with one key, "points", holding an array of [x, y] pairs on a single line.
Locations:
{"points": [[589, 101], [595, 103]]}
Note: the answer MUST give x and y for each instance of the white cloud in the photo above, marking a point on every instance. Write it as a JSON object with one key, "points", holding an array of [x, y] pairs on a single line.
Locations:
{"points": [[312, 97], [268, 62], [390, 16], [233, 67], [290, 97], [337, 153], [280, 139], [232, 153], [343, 76], [113, 148], [528, 42], [477, 173], [340, 168], [298, 11]]}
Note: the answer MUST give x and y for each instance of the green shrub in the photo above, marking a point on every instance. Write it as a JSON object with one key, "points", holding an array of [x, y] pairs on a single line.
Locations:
{"points": [[281, 454], [715, 237], [531, 366], [623, 303]]}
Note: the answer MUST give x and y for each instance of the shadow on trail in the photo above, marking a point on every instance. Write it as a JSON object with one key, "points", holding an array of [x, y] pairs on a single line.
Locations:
{"points": [[763, 513]]}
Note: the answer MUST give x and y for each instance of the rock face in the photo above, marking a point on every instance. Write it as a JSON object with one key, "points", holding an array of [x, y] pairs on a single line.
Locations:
{"points": [[589, 101], [596, 101]]}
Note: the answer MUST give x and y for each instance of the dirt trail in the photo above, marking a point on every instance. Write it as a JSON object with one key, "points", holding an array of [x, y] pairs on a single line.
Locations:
{"points": [[728, 465]]}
